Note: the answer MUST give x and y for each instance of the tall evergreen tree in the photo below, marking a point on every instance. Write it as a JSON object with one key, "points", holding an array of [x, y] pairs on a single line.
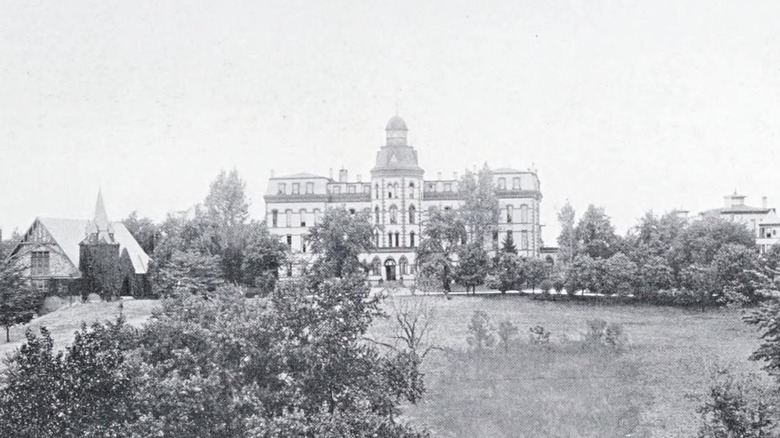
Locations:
{"points": [[567, 239]]}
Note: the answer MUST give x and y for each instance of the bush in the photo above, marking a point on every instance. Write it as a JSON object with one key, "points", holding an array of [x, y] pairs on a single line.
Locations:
{"points": [[506, 331], [606, 334], [480, 331], [736, 406], [539, 335], [50, 304]]}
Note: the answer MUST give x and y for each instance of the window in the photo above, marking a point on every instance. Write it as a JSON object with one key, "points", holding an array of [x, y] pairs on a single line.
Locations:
{"points": [[411, 239], [352, 211], [523, 213], [495, 238], [403, 265], [303, 217], [516, 183], [336, 190], [509, 236], [376, 266], [411, 190], [376, 215], [389, 191], [289, 269], [447, 208], [447, 187], [282, 188], [524, 239], [296, 189], [376, 191], [366, 188], [289, 240], [288, 218], [303, 245], [40, 284], [397, 240], [412, 214], [309, 188], [509, 214], [316, 215], [376, 238], [274, 218], [393, 214], [40, 262], [351, 189], [502, 184], [389, 239]]}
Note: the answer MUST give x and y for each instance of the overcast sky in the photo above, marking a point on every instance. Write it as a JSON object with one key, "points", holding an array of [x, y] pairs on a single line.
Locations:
{"points": [[624, 104]]}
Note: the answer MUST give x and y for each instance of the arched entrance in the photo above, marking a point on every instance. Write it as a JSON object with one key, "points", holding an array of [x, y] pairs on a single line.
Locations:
{"points": [[390, 269]]}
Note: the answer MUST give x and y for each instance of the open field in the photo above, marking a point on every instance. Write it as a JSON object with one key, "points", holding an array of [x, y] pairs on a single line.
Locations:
{"points": [[565, 391], [561, 390]]}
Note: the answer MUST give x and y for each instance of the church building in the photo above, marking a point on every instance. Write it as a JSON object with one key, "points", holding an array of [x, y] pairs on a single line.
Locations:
{"points": [[398, 199], [78, 257]]}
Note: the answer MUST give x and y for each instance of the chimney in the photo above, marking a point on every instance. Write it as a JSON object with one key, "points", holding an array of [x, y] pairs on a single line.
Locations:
{"points": [[330, 172], [343, 175], [359, 178], [764, 202], [438, 175]]}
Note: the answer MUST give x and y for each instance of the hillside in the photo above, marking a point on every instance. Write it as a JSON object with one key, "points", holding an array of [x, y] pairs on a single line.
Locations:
{"points": [[64, 322]]}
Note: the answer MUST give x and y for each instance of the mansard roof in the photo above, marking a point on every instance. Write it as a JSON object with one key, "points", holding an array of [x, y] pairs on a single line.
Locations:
{"points": [[300, 175]]}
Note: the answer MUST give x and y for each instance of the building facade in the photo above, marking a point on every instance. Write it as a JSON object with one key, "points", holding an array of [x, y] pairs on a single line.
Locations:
{"points": [[75, 257], [398, 199]]}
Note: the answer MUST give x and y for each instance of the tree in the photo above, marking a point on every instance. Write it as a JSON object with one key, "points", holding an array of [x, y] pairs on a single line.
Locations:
{"points": [[535, 271], [143, 230], [263, 256], [86, 391], [508, 273], [8, 245], [480, 331], [480, 209], [738, 273], [18, 301], [473, 265], [443, 233], [337, 241], [619, 275], [567, 239], [226, 212], [700, 241], [595, 234], [508, 245], [191, 272]]}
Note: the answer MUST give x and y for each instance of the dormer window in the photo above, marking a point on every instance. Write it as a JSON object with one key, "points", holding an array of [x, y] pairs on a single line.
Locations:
{"points": [[296, 189], [282, 189], [309, 188], [502, 184], [516, 183]]}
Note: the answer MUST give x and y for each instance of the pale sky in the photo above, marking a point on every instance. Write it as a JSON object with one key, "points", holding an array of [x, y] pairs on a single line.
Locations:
{"points": [[630, 105]]}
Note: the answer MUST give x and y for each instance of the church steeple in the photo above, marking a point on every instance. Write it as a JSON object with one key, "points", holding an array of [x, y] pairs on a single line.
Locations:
{"points": [[99, 229]]}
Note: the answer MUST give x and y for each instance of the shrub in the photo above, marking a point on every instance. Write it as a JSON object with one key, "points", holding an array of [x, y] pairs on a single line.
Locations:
{"points": [[480, 331], [50, 304], [539, 335], [736, 406], [506, 331], [606, 334]]}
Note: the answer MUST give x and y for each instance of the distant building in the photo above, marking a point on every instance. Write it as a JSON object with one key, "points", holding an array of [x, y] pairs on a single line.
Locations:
{"points": [[74, 256], [398, 199], [761, 221]]}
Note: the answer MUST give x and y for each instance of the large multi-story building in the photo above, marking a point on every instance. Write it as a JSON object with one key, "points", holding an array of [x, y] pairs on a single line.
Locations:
{"points": [[398, 199], [761, 221]]}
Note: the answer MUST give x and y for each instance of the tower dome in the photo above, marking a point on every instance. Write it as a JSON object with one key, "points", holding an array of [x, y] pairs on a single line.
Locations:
{"points": [[396, 123], [396, 131]]}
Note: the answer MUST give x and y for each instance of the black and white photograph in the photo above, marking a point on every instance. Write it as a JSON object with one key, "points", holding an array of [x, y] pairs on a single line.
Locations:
{"points": [[509, 219]]}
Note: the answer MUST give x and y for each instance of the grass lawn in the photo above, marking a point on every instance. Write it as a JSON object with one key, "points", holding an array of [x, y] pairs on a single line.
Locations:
{"points": [[561, 390], [565, 390]]}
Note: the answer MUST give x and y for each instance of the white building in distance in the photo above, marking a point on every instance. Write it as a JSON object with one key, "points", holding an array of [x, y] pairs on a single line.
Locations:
{"points": [[761, 221], [398, 199]]}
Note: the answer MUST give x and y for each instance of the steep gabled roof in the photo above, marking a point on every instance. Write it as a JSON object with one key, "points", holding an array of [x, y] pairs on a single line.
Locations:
{"points": [[770, 219], [69, 233]]}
